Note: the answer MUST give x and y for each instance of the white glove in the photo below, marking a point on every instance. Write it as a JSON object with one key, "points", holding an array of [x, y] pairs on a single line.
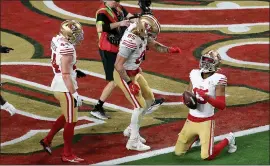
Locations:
{"points": [[78, 99]]}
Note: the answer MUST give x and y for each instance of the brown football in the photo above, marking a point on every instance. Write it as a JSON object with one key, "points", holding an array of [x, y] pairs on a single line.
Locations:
{"points": [[190, 100]]}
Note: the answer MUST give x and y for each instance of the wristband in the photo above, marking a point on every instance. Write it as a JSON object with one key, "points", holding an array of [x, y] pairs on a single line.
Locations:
{"points": [[129, 82]]}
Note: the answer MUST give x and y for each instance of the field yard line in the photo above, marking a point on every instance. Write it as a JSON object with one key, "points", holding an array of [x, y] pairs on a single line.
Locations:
{"points": [[31, 133], [86, 72], [57, 9], [197, 8], [224, 56], [171, 149], [213, 26], [40, 86]]}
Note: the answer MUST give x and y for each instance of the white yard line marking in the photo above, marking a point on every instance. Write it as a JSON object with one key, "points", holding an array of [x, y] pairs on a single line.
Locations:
{"points": [[197, 8], [57, 9], [171, 149], [223, 53], [40, 86], [31, 133]]}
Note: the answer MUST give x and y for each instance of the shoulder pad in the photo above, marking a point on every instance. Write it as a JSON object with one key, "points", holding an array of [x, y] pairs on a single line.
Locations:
{"points": [[220, 79], [194, 73], [66, 48]]}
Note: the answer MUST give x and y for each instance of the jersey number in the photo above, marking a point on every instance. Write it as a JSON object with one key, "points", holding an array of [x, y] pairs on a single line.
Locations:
{"points": [[54, 65], [139, 60]]}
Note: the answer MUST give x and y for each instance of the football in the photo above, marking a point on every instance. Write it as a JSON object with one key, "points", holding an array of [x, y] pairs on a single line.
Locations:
{"points": [[190, 100]]}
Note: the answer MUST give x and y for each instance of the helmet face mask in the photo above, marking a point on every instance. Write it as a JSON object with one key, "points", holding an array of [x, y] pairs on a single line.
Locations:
{"points": [[209, 62], [72, 31], [148, 26]]}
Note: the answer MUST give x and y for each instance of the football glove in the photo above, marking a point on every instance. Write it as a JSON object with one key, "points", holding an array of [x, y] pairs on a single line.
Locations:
{"points": [[174, 50], [5, 49], [202, 94], [134, 88], [77, 99], [80, 74]]}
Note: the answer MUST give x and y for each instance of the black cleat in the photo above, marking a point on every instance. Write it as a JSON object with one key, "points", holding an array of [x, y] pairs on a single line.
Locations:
{"points": [[155, 105], [99, 112], [46, 147]]}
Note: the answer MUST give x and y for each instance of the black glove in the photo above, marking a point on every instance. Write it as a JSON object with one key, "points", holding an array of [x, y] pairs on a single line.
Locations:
{"points": [[114, 39], [145, 6], [80, 74], [5, 49]]}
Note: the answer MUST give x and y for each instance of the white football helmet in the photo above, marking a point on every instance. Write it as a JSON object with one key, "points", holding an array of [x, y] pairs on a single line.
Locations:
{"points": [[210, 62]]}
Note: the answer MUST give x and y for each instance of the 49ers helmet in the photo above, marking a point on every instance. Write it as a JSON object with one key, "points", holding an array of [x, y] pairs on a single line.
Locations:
{"points": [[210, 61], [72, 31], [148, 26]]}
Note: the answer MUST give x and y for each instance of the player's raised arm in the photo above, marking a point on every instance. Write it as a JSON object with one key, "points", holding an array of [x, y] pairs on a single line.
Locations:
{"points": [[162, 48]]}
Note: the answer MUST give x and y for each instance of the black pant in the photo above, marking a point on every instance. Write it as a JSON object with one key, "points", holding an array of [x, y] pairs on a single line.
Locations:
{"points": [[108, 60]]}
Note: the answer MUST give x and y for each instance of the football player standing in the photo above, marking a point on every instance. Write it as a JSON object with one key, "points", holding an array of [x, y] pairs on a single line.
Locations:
{"points": [[128, 75], [64, 86], [209, 88]]}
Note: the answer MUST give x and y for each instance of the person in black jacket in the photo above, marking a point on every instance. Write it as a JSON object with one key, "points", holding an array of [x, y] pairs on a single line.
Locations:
{"points": [[111, 22]]}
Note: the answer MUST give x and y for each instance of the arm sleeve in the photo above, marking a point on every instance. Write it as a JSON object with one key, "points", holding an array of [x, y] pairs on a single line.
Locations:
{"points": [[103, 20]]}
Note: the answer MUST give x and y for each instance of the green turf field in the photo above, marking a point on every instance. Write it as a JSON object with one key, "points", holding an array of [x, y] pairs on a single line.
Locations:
{"points": [[252, 150]]}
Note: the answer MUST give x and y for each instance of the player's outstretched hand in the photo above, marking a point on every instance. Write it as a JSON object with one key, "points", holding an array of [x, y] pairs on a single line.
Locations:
{"points": [[80, 74], [5, 49], [174, 50]]}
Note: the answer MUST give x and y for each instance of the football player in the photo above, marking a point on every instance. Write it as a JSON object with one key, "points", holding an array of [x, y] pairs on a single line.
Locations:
{"points": [[4, 104], [64, 86], [209, 88], [128, 74]]}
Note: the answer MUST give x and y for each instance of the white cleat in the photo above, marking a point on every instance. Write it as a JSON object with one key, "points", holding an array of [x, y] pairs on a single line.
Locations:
{"points": [[127, 133], [136, 144], [9, 107], [232, 145]]}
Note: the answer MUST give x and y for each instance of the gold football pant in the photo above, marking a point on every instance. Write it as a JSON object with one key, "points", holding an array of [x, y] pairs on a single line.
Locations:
{"points": [[190, 132], [145, 97], [67, 106]]}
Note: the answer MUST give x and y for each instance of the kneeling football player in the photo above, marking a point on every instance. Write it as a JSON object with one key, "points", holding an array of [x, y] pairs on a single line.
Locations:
{"points": [[209, 88]]}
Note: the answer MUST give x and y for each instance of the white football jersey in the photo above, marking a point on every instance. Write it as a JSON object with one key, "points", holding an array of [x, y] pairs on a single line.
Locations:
{"points": [[133, 48], [204, 109], [61, 47]]}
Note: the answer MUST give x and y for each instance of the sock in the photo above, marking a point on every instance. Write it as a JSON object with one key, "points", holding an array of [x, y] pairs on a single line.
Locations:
{"points": [[68, 136], [2, 101], [218, 148], [58, 125], [134, 124], [100, 103]]}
